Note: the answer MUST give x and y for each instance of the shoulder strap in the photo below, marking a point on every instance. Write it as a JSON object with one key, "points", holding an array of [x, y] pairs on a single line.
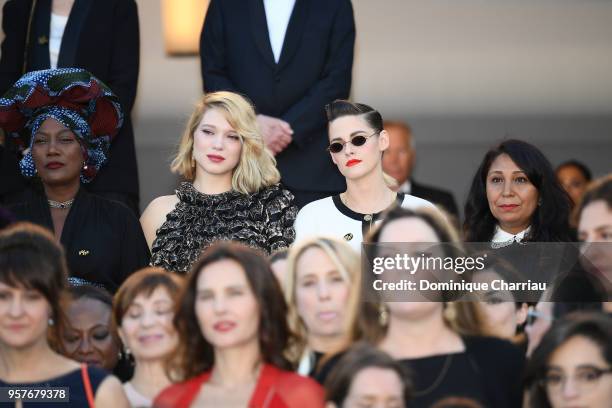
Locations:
{"points": [[87, 385]]}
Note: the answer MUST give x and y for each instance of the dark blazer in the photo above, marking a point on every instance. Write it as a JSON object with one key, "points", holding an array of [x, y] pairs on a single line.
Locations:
{"points": [[101, 36], [314, 69], [437, 196], [102, 239]]}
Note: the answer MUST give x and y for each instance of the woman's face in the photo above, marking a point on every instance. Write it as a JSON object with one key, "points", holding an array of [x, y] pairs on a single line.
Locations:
{"points": [[511, 196], [574, 376], [146, 328], [416, 231], [354, 162], [573, 182], [216, 145], [226, 308], [24, 316], [57, 154], [375, 387], [88, 336], [321, 294], [502, 317], [595, 230]]}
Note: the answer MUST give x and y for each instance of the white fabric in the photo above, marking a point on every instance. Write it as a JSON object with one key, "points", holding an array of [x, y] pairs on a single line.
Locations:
{"points": [[56, 32], [501, 236], [323, 218], [136, 399], [406, 187], [278, 13]]}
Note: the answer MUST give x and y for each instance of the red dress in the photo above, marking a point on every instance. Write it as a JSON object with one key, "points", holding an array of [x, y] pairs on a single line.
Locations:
{"points": [[275, 388]]}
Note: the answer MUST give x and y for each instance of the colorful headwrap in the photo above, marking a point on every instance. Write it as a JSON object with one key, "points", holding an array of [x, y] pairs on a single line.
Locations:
{"points": [[74, 98]]}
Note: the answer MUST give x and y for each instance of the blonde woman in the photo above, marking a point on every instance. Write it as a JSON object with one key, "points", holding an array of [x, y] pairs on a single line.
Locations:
{"points": [[322, 289], [231, 192]]}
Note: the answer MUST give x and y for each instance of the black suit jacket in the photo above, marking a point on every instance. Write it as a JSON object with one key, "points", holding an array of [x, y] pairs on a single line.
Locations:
{"points": [[314, 69], [437, 196], [101, 36]]}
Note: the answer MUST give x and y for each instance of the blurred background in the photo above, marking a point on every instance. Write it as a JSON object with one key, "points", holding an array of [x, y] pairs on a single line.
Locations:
{"points": [[465, 74]]}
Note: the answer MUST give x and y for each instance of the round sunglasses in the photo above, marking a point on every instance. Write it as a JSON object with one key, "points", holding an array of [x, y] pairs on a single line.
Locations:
{"points": [[359, 140]]}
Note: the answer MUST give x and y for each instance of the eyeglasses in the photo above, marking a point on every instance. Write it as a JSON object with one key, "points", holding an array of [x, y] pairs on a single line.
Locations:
{"points": [[533, 315], [585, 379], [359, 140]]}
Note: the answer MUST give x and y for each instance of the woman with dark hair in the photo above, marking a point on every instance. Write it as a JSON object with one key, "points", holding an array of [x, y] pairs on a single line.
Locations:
{"points": [[594, 219], [357, 143], [71, 117], [516, 197], [365, 376], [573, 177], [32, 279], [233, 337], [143, 309], [572, 366], [441, 352], [88, 334]]}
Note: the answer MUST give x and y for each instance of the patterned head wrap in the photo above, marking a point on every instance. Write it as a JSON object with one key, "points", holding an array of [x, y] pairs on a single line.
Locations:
{"points": [[74, 98]]}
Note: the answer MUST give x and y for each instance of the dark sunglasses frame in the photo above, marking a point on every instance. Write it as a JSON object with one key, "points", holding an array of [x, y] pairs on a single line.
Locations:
{"points": [[357, 141]]}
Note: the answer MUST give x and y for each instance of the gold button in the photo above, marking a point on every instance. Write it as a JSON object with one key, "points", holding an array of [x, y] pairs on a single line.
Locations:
{"points": [[368, 217]]}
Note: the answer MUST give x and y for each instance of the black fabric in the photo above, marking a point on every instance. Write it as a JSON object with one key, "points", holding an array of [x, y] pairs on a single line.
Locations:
{"points": [[367, 220], [488, 371], [313, 70], [73, 380], [435, 195], [105, 41], [103, 240], [262, 220]]}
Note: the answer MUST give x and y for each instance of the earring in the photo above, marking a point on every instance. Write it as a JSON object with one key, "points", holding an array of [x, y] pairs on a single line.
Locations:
{"points": [[383, 315], [50, 321], [84, 166], [450, 312], [539, 202]]}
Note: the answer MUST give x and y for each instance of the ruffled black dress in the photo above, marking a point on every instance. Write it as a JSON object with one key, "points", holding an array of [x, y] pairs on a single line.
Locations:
{"points": [[262, 220]]}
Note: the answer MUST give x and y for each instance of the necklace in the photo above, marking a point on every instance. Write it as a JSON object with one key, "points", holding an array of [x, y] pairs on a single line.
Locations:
{"points": [[62, 205], [438, 380]]}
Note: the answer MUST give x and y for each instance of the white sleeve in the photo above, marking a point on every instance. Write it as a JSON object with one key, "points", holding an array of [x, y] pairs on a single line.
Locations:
{"points": [[305, 223]]}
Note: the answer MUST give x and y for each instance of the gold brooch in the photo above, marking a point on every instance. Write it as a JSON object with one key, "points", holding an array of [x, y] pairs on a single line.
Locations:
{"points": [[83, 252], [348, 236], [42, 40]]}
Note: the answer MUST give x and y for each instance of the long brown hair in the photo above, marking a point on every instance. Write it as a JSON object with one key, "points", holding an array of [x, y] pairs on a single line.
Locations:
{"points": [[195, 354]]}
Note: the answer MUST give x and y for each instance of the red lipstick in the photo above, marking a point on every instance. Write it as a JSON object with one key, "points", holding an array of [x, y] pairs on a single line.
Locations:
{"points": [[54, 165], [224, 326], [508, 207], [215, 158], [352, 162]]}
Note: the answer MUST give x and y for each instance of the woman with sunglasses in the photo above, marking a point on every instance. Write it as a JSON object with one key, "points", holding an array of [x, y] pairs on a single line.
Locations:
{"points": [[357, 142]]}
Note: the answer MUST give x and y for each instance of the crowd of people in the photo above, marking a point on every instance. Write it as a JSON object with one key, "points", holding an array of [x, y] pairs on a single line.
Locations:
{"points": [[250, 287]]}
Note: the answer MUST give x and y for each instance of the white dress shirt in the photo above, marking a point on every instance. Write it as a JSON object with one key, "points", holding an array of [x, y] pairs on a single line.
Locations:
{"points": [[56, 32], [278, 13]]}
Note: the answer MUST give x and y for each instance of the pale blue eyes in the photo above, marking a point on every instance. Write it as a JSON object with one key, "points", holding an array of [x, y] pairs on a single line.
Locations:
{"points": [[209, 132]]}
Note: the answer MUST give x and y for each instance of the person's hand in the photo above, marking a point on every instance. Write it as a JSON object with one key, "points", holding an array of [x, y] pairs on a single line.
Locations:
{"points": [[276, 133]]}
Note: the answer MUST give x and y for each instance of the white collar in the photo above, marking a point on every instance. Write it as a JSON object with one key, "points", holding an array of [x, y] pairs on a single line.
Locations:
{"points": [[502, 236], [406, 187]]}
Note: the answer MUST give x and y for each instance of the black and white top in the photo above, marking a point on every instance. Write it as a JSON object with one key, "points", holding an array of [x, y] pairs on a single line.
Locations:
{"points": [[329, 217], [262, 220]]}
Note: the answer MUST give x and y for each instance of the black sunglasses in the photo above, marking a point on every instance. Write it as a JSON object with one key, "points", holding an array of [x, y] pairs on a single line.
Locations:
{"points": [[359, 140]]}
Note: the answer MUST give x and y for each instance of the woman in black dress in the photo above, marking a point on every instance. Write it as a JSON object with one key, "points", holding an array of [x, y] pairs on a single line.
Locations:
{"points": [[232, 190], [423, 337], [72, 117]]}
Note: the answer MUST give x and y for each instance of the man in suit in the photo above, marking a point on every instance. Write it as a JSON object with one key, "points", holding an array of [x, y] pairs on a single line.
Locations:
{"points": [[398, 162], [101, 36], [291, 58]]}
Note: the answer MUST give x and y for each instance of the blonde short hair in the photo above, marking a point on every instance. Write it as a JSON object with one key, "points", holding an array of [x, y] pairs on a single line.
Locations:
{"points": [[256, 168], [347, 262]]}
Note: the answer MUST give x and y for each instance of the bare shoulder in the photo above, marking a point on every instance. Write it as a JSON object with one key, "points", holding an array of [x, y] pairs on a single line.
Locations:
{"points": [[155, 214], [110, 394]]}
